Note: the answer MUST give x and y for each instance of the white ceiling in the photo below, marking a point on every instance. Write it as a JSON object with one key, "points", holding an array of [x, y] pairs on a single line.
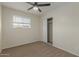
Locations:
{"points": [[22, 6]]}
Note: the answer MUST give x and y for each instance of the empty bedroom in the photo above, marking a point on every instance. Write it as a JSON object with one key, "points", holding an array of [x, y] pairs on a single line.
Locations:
{"points": [[39, 29]]}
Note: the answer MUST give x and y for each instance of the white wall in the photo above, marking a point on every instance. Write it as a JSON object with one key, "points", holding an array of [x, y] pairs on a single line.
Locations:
{"points": [[0, 28], [18, 36], [65, 27]]}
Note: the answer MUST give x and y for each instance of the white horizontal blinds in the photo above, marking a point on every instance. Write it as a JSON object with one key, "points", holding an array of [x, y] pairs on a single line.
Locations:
{"points": [[21, 22]]}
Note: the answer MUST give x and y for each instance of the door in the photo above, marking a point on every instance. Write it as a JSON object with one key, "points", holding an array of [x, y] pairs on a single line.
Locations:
{"points": [[49, 27]]}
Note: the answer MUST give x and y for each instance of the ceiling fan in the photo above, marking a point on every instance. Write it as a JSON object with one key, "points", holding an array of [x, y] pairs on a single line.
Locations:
{"points": [[36, 6]]}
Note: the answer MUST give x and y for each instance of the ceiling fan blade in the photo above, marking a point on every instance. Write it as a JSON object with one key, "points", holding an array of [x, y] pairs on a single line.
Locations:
{"points": [[30, 8], [30, 3], [40, 5], [39, 10]]}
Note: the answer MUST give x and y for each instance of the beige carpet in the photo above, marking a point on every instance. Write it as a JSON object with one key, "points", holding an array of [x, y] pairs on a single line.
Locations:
{"points": [[36, 49]]}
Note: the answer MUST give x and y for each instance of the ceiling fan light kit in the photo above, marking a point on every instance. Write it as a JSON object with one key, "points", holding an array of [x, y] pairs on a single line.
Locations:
{"points": [[35, 8]]}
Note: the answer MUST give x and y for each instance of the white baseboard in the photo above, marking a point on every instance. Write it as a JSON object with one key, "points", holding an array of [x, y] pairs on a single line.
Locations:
{"points": [[66, 50], [19, 44]]}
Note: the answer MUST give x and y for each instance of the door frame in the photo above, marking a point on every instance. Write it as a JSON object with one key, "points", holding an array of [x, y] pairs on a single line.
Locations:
{"points": [[52, 28]]}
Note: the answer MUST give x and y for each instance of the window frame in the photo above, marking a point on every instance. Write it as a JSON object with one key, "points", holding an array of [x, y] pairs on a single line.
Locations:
{"points": [[21, 24]]}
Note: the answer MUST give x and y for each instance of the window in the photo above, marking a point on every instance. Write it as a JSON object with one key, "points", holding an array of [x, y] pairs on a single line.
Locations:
{"points": [[21, 22]]}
